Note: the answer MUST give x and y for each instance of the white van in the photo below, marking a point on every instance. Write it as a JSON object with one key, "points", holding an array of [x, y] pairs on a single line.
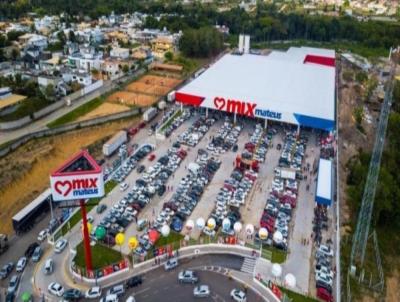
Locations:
{"points": [[49, 267], [171, 264]]}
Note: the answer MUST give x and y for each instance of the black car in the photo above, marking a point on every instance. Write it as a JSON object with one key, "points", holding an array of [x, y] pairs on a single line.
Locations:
{"points": [[134, 281], [10, 297], [6, 270], [72, 294], [140, 168], [235, 148], [31, 248]]}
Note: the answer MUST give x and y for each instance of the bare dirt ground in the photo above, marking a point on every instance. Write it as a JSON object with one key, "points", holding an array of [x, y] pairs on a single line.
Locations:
{"points": [[104, 109], [132, 99], [25, 172], [160, 80], [393, 287]]}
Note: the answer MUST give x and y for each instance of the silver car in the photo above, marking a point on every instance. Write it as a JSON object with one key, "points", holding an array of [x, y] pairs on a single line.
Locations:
{"points": [[201, 291]]}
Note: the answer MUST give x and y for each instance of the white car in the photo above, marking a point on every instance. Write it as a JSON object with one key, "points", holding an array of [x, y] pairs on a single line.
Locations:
{"points": [[324, 278], [43, 235], [123, 186], [56, 289], [93, 293], [21, 264], [208, 231], [60, 245], [238, 295], [201, 291], [326, 250]]}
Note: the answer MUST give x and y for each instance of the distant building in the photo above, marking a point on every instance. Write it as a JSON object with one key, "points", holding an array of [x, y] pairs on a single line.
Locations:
{"points": [[33, 40], [5, 92], [161, 45], [80, 77], [118, 52]]}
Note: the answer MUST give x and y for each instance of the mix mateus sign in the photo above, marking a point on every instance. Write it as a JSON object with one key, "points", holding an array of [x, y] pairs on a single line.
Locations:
{"points": [[79, 184]]}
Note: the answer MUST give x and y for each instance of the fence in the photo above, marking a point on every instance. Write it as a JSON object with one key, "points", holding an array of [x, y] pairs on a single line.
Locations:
{"points": [[48, 109], [48, 132]]}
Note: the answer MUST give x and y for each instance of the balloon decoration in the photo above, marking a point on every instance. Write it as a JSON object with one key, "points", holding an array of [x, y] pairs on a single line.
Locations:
{"points": [[263, 233], [100, 233], [276, 270], [132, 243], [189, 225], [165, 230], [119, 239], [89, 226], [237, 227], [200, 223], [249, 229], [226, 224], [290, 280], [211, 223]]}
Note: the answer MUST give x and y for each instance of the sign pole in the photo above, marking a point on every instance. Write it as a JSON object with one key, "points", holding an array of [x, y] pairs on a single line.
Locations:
{"points": [[86, 240]]}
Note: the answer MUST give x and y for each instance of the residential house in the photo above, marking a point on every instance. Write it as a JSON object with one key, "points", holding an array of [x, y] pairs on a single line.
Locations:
{"points": [[119, 52], [87, 59], [78, 76], [33, 40], [161, 45]]}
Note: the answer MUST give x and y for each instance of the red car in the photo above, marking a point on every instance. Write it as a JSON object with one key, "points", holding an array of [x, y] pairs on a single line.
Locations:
{"points": [[152, 157], [133, 131], [142, 125], [323, 294]]}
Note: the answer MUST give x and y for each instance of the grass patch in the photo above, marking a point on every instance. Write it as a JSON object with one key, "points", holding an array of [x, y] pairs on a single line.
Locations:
{"points": [[297, 297], [76, 113], [111, 184], [270, 253], [101, 256], [356, 48], [173, 238], [171, 120]]}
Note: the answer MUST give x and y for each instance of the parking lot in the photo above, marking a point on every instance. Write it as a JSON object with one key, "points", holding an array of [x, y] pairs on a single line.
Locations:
{"points": [[206, 169]]}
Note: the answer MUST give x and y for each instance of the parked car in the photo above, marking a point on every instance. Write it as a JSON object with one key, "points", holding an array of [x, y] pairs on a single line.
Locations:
{"points": [[101, 208], [31, 248], [21, 264], [171, 264], [201, 291], [324, 294], [13, 285], [43, 235], [56, 289], [118, 290], [60, 245], [6, 270], [238, 295], [72, 294], [93, 293], [134, 281], [37, 254], [188, 277]]}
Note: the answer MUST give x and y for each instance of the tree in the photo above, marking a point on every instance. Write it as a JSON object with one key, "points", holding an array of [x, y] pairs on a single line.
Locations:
{"points": [[203, 42], [71, 36], [14, 53], [169, 56], [13, 35], [361, 77], [49, 92], [125, 69]]}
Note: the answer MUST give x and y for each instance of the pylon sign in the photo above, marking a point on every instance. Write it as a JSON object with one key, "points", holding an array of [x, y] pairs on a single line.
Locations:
{"points": [[79, 178]]}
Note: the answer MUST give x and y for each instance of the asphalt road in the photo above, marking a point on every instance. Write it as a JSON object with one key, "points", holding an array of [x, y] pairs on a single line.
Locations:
{"points": [[159, 285]]}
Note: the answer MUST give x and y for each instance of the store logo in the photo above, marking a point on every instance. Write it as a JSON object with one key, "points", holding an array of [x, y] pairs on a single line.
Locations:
{"points": [[235, 106], [269, 114], [77, 186]]}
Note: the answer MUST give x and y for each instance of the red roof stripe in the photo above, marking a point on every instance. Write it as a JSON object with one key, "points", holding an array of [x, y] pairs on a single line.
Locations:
{"points": [[326, 61], [188, 99]]}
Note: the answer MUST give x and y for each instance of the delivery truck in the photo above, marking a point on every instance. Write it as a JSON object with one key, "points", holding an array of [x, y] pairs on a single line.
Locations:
{"points": [[114, 143], [149, 114], [285, 173]]}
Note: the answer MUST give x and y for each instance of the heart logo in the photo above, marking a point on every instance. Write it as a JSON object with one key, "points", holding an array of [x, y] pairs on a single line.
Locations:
{"points": [[219, 103], [63, 186]]}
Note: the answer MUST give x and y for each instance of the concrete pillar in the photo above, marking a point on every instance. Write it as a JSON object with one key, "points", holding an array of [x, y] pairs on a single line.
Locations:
{"points": [[181, 107], [206, 112], [265, 124], [298, 130], [234, 118]]}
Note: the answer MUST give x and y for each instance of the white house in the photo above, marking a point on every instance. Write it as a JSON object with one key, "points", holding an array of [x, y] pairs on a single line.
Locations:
{"points": [[34, 40], [80, 77], [118, 52]]}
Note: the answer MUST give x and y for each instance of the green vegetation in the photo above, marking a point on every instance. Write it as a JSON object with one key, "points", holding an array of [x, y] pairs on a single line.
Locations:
{"points": [[204, 42], [177, 114], [270, 253], [173, 238], [386, 215], [297, 297], [76, 113], [77, 217], [101, 256]]}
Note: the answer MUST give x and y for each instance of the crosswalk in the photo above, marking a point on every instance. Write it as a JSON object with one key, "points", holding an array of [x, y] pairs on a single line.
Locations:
{"points": [[248, 265]]}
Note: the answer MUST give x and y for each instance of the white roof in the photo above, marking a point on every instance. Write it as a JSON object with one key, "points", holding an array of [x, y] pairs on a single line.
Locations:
{"points": [[324, 184], [37, 201], [280, 81]]}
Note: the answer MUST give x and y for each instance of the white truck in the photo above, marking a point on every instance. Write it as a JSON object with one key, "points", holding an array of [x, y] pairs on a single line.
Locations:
{"points": [[285, 173], [162, 105], [115, 142], [149, 114], [171, 96]]}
